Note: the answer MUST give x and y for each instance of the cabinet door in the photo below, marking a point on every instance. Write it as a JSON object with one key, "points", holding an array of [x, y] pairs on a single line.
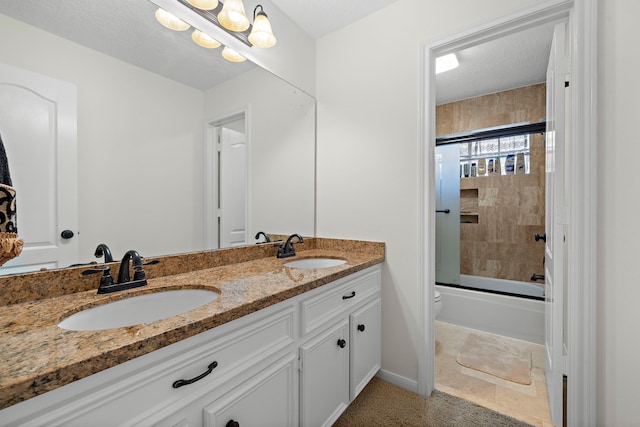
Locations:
{"points": [[324, 379], [365, 331], [265, 400]]}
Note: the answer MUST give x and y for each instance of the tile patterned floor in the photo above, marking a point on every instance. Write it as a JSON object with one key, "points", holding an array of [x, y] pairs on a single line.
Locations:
{"points": [[528, 403]]}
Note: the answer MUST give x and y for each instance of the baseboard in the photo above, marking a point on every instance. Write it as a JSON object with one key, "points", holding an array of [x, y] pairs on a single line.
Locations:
{"points": [[398, 380]]}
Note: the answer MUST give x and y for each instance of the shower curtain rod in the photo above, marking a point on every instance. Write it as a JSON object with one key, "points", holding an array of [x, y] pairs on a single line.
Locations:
{"points": [[482, 134]]}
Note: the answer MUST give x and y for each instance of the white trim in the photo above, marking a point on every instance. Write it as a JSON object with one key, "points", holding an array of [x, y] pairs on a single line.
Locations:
{"points": [[211, 174], [398, 380], [582, 262], [582, 182]]}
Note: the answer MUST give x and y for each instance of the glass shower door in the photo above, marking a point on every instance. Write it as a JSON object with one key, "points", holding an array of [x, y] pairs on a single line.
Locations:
{"points": [[448, 214]]}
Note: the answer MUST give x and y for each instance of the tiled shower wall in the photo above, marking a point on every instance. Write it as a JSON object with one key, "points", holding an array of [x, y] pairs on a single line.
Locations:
{"points": [[510, 208]]}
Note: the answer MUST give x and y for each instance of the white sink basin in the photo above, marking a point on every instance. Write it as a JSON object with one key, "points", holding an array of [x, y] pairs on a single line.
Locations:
{"points": [[139, 309], [315, 263]]}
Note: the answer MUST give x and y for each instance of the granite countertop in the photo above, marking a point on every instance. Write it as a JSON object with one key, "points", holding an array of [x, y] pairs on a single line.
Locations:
{"points": [[38, 356]]}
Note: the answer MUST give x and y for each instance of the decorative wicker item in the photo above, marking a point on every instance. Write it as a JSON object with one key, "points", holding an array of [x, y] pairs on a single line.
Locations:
{"points": [[10, 244]]}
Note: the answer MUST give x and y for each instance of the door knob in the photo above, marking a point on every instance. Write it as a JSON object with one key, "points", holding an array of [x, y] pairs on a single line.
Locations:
{"points": [[361, 327], [539, 237], [66, 234], [342, 343]]}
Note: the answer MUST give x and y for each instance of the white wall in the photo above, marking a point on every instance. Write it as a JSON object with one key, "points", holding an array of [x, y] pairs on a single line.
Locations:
{"points": [[368, 146], [619, 203], [368, 85], [139, 145], [282, 149]]}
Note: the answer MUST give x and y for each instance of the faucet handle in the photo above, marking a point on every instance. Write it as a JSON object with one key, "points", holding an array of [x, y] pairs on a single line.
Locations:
{"points": [[106, 278], [138, 273]]}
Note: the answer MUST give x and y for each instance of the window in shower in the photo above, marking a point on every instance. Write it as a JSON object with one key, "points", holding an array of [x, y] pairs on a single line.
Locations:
{"points": [[499, 156]]}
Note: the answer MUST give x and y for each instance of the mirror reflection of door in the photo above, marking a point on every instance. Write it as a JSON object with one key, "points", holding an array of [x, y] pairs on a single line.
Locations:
{"points": [[38, 128], [232, 187], [227, 188]]}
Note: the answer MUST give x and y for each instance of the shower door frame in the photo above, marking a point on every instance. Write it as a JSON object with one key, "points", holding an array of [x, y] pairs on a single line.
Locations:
{"points": [[582, 180]]}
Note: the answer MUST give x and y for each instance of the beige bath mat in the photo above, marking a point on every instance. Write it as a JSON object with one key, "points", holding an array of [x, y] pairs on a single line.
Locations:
{"points": [[496, 357]]}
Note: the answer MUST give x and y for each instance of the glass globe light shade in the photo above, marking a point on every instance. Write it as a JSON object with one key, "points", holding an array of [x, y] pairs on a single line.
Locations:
{"points": [[205, 40], [231, 55], [261, 33], [232, 16], [170, 21], [204, 4]]}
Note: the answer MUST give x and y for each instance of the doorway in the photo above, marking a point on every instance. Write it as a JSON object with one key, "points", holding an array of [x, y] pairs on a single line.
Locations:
{"points": [[227, 182], [581, 362], [38, 116]]}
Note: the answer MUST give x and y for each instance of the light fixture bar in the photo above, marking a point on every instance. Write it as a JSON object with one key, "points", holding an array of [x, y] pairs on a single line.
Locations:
{"points": [[212, 16]]}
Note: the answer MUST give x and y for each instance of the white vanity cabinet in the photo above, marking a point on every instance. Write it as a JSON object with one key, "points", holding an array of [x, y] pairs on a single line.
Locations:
{"points": [[143, 392], [298, 362], [324, 377], [341, 350], [365, 325]]}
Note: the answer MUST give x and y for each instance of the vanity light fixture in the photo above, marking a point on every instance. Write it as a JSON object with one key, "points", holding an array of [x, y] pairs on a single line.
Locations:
{"points": [[229, 16], [170, 21], [261, 33], [446, 63], [231, 55], [205, 40]]}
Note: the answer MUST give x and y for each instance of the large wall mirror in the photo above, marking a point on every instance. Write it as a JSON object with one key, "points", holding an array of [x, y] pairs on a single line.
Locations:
{"points": [[148, 163]]}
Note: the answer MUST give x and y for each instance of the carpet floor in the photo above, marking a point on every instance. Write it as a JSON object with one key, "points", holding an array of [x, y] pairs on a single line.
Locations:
{"points": [[383, 404]]}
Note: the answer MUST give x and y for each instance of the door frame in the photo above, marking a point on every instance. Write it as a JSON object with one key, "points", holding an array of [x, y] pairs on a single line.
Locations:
{"points": [[581, 259], [211, 173]]}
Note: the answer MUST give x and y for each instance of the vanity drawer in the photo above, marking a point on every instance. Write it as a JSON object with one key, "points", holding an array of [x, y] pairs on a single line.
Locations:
{"points": [[322, 307]]}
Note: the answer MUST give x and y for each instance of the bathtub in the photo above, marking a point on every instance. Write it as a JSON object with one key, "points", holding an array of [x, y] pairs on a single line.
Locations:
{"points": [[527, 289], [511, 316]]}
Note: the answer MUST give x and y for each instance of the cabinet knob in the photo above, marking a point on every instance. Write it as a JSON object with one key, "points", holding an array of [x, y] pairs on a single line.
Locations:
{"points": [[361, 327], [232, 423], [342, 343]]}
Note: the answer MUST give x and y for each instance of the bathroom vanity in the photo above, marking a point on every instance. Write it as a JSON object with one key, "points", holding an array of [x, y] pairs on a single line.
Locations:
{"points": [[280, 346]]}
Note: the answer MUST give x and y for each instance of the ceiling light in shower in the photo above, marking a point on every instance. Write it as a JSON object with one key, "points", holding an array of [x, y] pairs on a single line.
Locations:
{"points": [[170, 21], [446, 63]]}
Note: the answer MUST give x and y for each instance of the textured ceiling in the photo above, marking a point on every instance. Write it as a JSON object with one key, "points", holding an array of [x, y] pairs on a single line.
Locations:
{"points": [[506, 63], [127, 30], [321, 17]]}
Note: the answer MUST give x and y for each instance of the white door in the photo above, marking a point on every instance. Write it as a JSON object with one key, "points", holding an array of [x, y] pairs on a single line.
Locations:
{"points": [[38, 129], [232, 210], [556, 215]]}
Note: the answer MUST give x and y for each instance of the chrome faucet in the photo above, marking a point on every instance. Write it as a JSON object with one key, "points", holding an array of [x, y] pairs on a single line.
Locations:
{"points": [[288, 250], [103, 250]]}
